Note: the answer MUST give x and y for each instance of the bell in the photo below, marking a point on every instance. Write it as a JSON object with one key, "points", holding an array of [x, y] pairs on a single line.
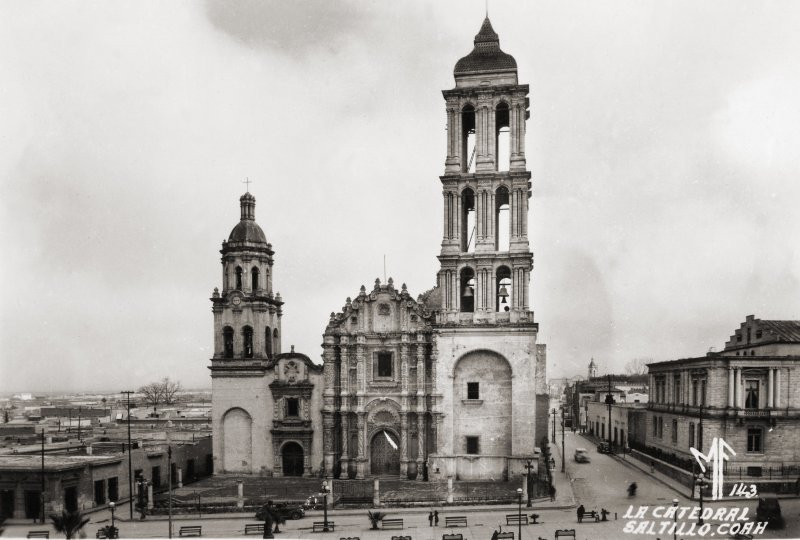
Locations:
{"points": [[503, 293], [503, 300], [468, 292]]}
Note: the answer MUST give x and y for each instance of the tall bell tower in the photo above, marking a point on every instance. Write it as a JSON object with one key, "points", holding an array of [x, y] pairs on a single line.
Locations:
{"points": [[494, 372]]}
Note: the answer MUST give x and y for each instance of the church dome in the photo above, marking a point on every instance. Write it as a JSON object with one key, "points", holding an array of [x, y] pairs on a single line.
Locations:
{"points": [[247, 230], [486, 56]]}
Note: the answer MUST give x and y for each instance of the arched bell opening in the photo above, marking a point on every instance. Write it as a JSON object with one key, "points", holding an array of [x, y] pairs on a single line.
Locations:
{"points": [[504, 290], [467, 290]]}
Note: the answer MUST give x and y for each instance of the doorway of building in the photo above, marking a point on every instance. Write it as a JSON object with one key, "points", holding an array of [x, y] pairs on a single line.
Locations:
{"points": [[384, 454], [292, 454], [71, 498], [6, 503], [33, 504]]}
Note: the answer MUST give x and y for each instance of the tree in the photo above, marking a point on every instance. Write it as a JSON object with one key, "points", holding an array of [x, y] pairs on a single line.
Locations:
{"points": [[374, 518], [637, 366], [69, 523], [164, 391]]}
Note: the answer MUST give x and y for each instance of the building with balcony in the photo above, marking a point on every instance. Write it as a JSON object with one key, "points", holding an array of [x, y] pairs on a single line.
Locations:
{"points": [[744, 394]]}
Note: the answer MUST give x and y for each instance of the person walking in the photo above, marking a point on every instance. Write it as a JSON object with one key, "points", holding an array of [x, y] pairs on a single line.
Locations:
{"points": [[581, 511], [430, 519], [552, 493], [435, 518]]}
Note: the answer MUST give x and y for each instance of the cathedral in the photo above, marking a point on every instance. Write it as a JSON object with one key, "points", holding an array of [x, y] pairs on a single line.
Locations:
{"points": [[448, 384]]}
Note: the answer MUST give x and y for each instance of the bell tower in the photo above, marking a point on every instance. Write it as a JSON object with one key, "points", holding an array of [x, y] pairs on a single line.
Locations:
{"points": [[490, 395], [485, 257]]}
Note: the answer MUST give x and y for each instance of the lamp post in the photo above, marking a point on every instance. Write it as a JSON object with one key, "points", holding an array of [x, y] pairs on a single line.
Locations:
{"points": [[519, 521], [169, 503], [701, 482], [325, 491], [528, 469], [42, 496], [112, 506], [675, 529], [553, 438], [563, 449]]}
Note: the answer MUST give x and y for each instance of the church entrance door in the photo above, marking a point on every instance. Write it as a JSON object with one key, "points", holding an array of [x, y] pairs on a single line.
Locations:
{"points": [[384, 454], [292, 459]]}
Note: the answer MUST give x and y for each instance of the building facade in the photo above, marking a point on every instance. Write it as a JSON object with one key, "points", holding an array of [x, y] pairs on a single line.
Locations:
{"points": [[265, 404], [743, 394]]}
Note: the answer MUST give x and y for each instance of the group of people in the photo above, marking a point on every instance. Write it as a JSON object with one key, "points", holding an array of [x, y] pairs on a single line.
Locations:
{"points": [[433, 518]]}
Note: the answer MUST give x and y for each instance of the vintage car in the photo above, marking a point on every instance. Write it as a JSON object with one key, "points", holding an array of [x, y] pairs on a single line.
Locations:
{"points": [[285, 510], [604, 448], [582, 455]]}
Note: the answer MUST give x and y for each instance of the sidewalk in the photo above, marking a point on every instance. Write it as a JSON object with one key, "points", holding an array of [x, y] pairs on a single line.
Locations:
{"points": [[565, 498]]}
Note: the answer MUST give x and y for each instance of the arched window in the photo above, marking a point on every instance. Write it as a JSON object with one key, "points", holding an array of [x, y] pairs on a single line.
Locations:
{"points": [[502, 137], [247, 334], [276, 342], [468, 220], [254, 278], [503, 298], [227, 342], [467, 290], [468, 139], [239, 278], [502, 229], [268, 341]]}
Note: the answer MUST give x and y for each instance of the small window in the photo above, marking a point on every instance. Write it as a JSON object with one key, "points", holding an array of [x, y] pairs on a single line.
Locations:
{"points": [[384, 365], [227, 338], [473, 446], [239, 278], [739, 338], [473, 390], [674, 431], [754, 440], [758, 334], [292, 407], [691, 434]]}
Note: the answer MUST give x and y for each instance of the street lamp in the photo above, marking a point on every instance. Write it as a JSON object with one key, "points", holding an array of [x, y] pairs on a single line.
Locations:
{"points": [[553, 438], [325, 492], [701, 482], [113, 529], [675, 530], [528, 481], [563, 449], [519, 521]]}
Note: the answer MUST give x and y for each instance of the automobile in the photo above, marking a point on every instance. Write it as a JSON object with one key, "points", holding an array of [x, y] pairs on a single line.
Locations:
{"points": [[604, 448], [287, 510], [582, 455], [769, 510], [316, 501]]}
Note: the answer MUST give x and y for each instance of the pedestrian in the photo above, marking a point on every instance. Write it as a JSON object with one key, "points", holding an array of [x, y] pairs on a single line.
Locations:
{"points": [[494, 535], [581, 511], [552, 493], [430, 519], [435, 518]]}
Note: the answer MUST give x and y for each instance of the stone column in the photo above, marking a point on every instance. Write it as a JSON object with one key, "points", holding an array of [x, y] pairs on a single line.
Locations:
{"points": [[344, 367], [362, 460], [777, 388], [345, 441], [180, 477], [771, 389], [740, 383], [239, 494], [149, 496], [360, 369], [327, 443], [420, 443], [730, 388], [404, 445]]}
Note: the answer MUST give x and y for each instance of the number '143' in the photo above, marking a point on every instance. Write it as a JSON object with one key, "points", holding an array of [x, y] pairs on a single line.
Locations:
{"points": [[744, 490]]}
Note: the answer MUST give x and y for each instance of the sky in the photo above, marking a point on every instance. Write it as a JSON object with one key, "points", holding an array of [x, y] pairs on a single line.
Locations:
{"points": [[662, 144]]}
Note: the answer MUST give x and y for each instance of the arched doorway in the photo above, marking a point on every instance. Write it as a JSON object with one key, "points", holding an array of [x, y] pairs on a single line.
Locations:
{"points": [[292, 454], [385, 454], [237, 453]]}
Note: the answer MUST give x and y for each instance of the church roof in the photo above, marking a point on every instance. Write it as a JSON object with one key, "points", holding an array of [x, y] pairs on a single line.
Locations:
{"points": [[784, 331], [486, 55]]}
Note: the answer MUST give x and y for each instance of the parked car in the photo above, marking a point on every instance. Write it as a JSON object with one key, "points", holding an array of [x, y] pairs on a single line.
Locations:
{"points": [[769, 510], [287, 510], [604, 448], [582, 455]]}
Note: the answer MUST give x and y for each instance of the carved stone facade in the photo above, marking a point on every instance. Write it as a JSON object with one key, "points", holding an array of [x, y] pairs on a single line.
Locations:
{"points": [[265, 405], [378, 374]]}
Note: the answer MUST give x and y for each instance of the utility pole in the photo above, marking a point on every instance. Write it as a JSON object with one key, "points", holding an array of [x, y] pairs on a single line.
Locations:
{"points": [[169, 469], [130, 459], [42, 473], [553, 438], [79, 424], [563, 449], [609, 401]]}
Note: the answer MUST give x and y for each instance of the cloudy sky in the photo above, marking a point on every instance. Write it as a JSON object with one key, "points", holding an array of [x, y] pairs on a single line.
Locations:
{"points": [[663, 146]]}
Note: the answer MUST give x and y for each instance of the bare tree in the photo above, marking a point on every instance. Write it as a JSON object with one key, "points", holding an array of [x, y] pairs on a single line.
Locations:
{"points": [[153, 393], [637, 366], [169, 390]]}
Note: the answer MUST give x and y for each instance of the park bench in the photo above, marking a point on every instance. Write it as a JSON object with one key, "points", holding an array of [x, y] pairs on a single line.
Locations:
{"points": [[565, 532], [452, 537], [191, 530], [591, 514], [319, 526], [254, 528], [516, 519], [392, 523], [455, 521], [401, 538], [505, 536], [38, 534], [350, 538]]}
